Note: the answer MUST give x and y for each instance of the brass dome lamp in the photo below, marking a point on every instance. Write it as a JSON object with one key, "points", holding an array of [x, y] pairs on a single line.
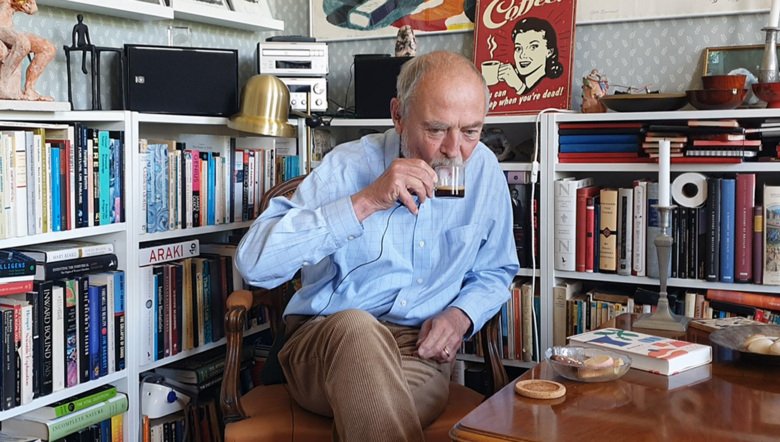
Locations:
{"points": [[264, 108]]}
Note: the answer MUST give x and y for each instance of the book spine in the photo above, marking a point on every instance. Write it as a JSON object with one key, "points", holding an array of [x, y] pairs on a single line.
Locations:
{"points": [[770, 302], [565, 197], [71, 343], [159, 315], [96, 178], [20, 181], [94, 329], [583, 194], [145, 160], [771, 237], [640, 228], [103, 360], [590, 234], [116, 199], [167, 304], [238, 185], [727, 201], [47, 317], [54, 176], [9, 362], [14, 264], [207, 300], [188, 189], [119, 334], [743, 227], [713, 210], [196, 195], [147, 315], [608, 218], [625, 229], [71, 423], [74, 267], [84, 336]]}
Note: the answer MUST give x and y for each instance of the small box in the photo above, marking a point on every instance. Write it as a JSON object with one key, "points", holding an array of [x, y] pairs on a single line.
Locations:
{"points": [[179, 80]]}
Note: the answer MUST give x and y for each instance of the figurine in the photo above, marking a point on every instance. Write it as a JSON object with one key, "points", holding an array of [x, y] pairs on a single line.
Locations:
{"points": [[17, 45], [80, 40], [594, 86], [405, 42]]}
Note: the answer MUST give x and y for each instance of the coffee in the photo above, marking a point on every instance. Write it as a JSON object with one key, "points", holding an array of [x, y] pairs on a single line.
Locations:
{"points": [[450, 192]]}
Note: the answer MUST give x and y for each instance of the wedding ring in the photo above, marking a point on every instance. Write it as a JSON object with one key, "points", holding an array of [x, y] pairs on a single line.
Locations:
{"points": [[446, 352]]}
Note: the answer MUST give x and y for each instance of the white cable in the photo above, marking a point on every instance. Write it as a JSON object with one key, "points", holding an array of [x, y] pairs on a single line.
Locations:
{"points": [[534, 180]]}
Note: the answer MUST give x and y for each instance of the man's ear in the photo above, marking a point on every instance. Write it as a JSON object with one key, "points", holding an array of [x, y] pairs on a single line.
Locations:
{"points": [[395, 112]]}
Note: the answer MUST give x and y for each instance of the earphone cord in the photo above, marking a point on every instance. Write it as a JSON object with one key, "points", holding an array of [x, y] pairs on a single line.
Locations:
{"points": [[330, 298]]}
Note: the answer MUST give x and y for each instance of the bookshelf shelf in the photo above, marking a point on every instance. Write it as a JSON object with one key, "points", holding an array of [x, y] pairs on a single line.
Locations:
{"points": [[8, 243], [133, 10], [200, 349], [189, 232]]}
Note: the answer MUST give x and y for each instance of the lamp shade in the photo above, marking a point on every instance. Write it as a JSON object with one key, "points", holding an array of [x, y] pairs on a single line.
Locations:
{"points": [[264, 105]]}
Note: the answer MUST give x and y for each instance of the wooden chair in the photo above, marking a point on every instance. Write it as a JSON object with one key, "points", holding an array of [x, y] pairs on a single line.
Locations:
{"points": [[267, 413]]}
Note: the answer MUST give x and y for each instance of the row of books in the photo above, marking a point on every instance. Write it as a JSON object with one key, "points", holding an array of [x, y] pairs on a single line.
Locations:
{"points": [[185, 298], [525, 216], [613, 229], [519, 325], [191, 187], [62, 333], [96, 415], [59, 177], [578, 310]]}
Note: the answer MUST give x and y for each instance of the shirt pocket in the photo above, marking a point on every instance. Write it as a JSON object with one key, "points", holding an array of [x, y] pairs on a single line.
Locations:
{"points": [[462, 244]]}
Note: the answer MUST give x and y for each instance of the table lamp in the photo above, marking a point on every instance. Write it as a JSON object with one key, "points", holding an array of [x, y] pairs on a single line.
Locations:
{"points": [[663, 318], [265, 102]]}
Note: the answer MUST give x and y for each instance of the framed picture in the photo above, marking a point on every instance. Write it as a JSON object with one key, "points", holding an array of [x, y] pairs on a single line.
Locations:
{"points": [[154, 2], [603, 11], [525, 55], [332, 20], [253, 7], [724, 59]]}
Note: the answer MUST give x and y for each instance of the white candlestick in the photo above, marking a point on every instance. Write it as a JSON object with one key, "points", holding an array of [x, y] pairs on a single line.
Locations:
{"points": [[774, 14], [664, 164]]}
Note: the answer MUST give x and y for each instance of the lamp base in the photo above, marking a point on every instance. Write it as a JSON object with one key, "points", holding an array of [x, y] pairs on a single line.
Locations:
{"points": [[662, 321]]}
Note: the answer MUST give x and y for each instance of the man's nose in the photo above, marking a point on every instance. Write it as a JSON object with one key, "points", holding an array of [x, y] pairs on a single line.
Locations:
{"points": [[450, 146]]}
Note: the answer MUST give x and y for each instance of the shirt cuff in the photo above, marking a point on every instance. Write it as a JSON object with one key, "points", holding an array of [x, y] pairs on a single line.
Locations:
{"points": [[341, 219]]}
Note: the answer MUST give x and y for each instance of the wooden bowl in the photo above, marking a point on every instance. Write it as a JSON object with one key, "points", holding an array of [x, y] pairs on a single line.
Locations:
{"points": [[706, 99], [769, 92], [735, 81]]}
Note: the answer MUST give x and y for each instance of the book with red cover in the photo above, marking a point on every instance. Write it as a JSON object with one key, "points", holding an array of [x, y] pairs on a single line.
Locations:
{"points": [[599, 125], [760, 300], [587, 155], [727, 143], [590, 234], [525, 52], [743, 227], [604, 159], [583, 194]]}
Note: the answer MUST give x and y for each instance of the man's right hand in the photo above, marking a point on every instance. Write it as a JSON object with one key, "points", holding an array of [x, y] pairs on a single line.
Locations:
{"points": [[401, 182]]}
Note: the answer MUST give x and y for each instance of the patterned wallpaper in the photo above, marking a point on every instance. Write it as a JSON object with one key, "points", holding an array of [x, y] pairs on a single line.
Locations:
{"points": [[664, 53]]}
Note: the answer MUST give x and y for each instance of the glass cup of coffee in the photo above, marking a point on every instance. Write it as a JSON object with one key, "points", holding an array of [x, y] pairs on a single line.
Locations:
{"points": [[451, 180]]}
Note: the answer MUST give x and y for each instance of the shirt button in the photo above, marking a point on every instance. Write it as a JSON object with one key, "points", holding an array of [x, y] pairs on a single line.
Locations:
{"points": [[306, 263], [422, 244], [419, 280], [403, 302], [350, 237]]}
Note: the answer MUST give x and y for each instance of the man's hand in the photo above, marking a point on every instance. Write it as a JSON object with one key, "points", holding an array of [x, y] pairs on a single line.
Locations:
{"points": [[440, 336], [404, 179]]}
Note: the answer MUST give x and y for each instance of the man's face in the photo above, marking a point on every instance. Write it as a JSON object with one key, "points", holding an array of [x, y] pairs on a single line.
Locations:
{"points": [[530, 52], [443, 121]]}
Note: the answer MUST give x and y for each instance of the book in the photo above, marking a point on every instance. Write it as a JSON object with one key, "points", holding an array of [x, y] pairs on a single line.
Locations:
{"points": [[638, 258], [565, 225], [195, 370], [727, 213], [583, 194], [760, 300], [625, 230], [53, 429], [73, 404], [712, 324], [771, 260], [165, 252], [651, 353], [712, 241], [562, 294], [599, 138], [758, 244], [598, 147], [65, 250], [608, 228], [743, 226], [75, 267], [15, 263]]}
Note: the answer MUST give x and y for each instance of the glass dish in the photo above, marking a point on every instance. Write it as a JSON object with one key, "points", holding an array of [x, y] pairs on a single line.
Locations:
{"points": [[653, 102], [585, 364]]}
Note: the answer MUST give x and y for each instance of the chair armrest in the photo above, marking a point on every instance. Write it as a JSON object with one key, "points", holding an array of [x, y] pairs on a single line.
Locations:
{"points": [[237, 305], [490, 335]]}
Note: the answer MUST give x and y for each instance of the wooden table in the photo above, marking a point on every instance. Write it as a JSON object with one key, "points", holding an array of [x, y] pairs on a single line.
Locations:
{"points": [[728, 400]]}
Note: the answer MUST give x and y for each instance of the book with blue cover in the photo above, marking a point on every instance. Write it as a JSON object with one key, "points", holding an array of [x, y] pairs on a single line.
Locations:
{"points": [[94, 329], [600, 139], [599, 147], [727, 213], [104, 177], [54, 174], [158, 200]]}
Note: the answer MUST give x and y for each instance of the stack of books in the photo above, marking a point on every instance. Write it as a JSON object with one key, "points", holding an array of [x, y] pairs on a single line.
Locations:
{"points": [[600, 142]]}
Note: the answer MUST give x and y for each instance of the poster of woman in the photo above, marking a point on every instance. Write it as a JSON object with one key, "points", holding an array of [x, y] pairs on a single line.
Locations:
{"points": [[524, 50]]}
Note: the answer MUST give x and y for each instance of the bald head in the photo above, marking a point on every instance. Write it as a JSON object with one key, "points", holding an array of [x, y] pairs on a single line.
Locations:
{"points": [[435, 67]]}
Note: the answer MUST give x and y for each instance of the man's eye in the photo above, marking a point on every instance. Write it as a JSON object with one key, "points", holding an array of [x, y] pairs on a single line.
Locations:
{"points": [[472, 134]]}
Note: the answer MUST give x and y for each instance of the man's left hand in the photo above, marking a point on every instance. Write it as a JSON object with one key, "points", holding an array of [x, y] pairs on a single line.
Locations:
{"points": [[440, 336]]}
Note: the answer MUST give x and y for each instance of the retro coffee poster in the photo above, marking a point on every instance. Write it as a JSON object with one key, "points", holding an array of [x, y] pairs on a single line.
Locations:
{"points": [[524, 49]]}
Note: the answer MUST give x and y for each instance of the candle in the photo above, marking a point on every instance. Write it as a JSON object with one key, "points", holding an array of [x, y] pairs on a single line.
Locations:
{"points": [[774, 14], [664, 163]]}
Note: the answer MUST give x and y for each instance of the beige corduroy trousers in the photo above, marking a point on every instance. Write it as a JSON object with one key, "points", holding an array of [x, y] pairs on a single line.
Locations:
{"points": [[364, 374]]}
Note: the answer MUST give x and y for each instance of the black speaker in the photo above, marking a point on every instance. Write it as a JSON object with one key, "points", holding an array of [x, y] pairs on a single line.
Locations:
{"points": [[375, 77], [179, 80]]}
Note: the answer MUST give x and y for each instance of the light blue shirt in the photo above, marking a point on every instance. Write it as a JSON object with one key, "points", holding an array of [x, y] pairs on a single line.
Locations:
{"points": [[401, 268]]}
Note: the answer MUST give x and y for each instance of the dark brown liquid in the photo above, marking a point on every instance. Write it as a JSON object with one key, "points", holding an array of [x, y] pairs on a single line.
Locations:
{"points": [[450, 192]]}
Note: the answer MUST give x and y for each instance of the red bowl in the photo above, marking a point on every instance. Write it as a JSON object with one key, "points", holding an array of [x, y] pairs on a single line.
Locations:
{"points": [[769, 92], [716, 98], [736, 81]]}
